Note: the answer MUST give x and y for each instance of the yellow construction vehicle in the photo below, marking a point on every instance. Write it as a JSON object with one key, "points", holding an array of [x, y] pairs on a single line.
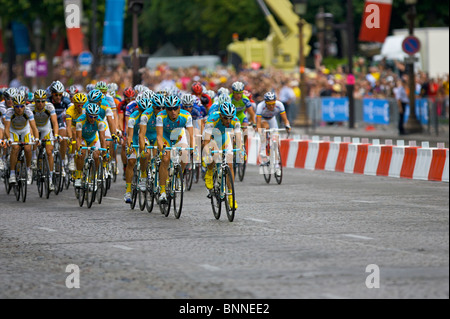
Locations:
{"points": [[281, 48]]}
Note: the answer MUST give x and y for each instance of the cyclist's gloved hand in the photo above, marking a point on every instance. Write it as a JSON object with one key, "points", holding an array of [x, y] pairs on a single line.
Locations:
{"points": [[288, 128]]}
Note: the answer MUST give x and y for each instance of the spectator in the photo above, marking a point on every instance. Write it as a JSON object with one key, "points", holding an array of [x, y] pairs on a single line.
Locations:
{"points": [[402, 100]]}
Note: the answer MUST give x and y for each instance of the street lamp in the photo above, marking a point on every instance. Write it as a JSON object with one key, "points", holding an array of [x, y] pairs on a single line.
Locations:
{"points": [[413, 125], [135, 7], [302, 119]]}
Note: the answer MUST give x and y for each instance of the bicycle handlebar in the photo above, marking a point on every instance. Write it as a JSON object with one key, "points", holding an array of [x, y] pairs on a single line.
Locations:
{"points": [[93, 148], [226, 151]]}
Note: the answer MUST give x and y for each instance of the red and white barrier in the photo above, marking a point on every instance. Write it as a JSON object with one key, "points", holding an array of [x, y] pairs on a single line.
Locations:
{"points": [[355, 157]]}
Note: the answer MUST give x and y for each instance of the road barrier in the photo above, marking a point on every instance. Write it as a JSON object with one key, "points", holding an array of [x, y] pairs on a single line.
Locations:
{"points": [[361, 157]]}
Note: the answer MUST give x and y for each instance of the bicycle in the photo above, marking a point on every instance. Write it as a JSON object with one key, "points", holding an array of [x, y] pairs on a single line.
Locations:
{"points": [[240, 164], [5, 174], [135, 190], [20, 188], [222, 191], [153, 187], [68, 176], [89, 184], [58, 180], [175, 186], [273, 164], [42, 171]]}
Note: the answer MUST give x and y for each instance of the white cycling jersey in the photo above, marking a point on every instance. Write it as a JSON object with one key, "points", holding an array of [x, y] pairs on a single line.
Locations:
{"points": [[268, 115]]}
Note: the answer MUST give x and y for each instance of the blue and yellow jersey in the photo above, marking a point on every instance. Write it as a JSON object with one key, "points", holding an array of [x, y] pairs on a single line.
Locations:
{"points": [[149, 118], [173, 130], [90, 131], [133, 122], [215, 127]]}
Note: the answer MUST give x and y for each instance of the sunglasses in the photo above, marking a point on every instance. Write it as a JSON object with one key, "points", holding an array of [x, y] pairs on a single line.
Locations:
{"points": [[40, 101], [171, 108], [94, 117], [57, 94], [270, 103], [226, 118], [20, 106], [239, 92]]}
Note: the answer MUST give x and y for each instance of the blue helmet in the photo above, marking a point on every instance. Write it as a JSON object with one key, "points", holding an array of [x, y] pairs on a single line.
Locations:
{"points": [[159, 100], [92, 109], [172, 102], [144, 104], [228, 109], [95, 96]]}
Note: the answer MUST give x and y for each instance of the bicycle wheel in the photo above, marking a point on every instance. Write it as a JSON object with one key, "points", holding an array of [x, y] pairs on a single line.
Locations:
{"points": [[57, 173], [17, 184], [216, 203], [6, 174], [278, 165], [106, 179], [40, 175], [196, 173], [79, 191], [177, 192], [134, 185], [152, 186], [46, 176], [229, 192], [165, 207], [90, 184], [100, 180], [67, 179], [265, 167], [23, 182], [114, 170], [188, 176], [142, 194]]}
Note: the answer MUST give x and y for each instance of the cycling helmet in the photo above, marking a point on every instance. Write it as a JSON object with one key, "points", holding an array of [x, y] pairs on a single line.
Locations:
{"points": [[187, 100], [163, 91], [197, 88], [144, 104], [159, 100], [80, 98], [211, 94], [65, 94], [92, 109], [24, 88], [237, 86], [95, 96], [89, 87], [101, 85], [72, 90], [57, 87], [40, 94], [172, 102], [113, 87], [223, 90], [9, 93], [270, 97], [30, 97], [19, 99], [223, 98], [129, 93], [227, 109], [139, 88], [248, 94], [148, 94]]}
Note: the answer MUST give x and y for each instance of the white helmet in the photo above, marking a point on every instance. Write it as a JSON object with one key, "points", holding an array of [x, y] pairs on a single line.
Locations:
{"points": [[238, 86]]}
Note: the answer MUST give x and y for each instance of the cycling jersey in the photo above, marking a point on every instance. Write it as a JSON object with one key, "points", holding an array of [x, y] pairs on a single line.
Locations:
{"points": [[133, 123], [241, 107], [20, 129], [149, 118], [60, 109], [173, 131], [90, 131], [71, 113], [265, 113], [214, 127], [42, 119], [130, 108]]}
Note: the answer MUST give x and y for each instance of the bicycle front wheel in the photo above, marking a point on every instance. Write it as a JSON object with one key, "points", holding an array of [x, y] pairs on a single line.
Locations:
{"points": [[90, 184], [39, 176], [46, 176], [216, 202], [142, 194], [230, 196], [23, 182], [278, 168], [134, 190], [177, 192], [57, 175], [100, 181]]}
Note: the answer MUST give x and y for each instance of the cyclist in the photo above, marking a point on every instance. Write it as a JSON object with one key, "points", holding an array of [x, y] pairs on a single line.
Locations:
{"points": [[20, 127], [72, 115], [147, 132], [198, 112], [128, 97], [266, 113], [221, 125], [203, 98], [133, 139], [242, 104], [61, 105], [45, 118], [172, 124], [8, 95], [90, 133], [72, 90]]}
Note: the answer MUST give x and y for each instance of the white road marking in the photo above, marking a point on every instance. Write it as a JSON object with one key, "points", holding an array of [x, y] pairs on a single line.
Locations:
{"points": [[47, 229], [122, 247], [357, 236], [209, 267], [257, 220]]}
